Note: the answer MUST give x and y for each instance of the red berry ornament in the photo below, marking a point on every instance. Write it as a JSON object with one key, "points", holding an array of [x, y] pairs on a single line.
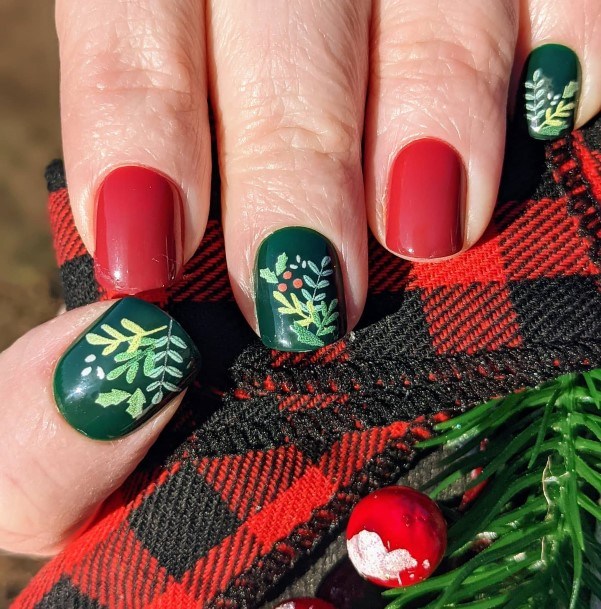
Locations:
{"points": [[396, 537], [297, 283], [287, 275], [305, 603]]}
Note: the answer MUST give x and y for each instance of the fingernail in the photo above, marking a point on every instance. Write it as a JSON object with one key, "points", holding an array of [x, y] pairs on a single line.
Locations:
{"points": [[425, 201], [139, 231], [299, 291], [551, 89], [123, 369]]}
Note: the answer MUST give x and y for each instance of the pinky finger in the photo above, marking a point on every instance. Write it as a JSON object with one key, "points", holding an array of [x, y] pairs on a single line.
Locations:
{"points": [[560, 63]]}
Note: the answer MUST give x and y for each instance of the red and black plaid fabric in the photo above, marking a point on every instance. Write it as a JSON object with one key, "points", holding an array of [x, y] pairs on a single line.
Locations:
{"points": [[271, 450]]}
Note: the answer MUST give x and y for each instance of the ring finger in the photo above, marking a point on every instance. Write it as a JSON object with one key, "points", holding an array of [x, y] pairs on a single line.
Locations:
{"points": [[435, 126]]}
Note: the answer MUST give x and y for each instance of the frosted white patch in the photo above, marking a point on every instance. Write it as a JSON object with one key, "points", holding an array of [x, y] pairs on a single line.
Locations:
{"points": [[426, 564], [90, 358], [86, 371], [99, 372], [286, 606], [487, 536], [371, 559]]}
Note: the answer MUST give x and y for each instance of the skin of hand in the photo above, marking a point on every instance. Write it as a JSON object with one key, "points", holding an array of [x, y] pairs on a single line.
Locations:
{"points": [[329, 116]]}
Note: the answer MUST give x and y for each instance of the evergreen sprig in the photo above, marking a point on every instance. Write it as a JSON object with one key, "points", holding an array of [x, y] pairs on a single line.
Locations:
{"points": [[536, 516]]}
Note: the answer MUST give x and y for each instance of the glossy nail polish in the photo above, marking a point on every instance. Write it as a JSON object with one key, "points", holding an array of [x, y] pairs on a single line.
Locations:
{"points": [[124, 368], [139, 231], [299, 291], [551, 89], [426, 194]]}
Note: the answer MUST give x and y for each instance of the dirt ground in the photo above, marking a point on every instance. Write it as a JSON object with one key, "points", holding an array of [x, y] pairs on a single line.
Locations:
{"points": [[29, 138]]}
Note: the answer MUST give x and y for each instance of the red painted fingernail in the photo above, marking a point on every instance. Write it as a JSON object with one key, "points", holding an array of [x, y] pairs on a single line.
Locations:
{"points": [[139, 231], [425, 201]]}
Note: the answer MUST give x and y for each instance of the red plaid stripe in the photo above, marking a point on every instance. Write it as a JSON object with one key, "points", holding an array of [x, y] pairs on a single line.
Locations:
{"points": [[472, 318], [66, 239], [205, 276]]}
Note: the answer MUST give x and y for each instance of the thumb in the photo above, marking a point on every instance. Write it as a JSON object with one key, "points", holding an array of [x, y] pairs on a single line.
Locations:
{"points": [[96, 373]]}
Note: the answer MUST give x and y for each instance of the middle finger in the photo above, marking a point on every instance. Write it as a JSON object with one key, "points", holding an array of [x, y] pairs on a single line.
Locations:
{"points": [[288, 87]]}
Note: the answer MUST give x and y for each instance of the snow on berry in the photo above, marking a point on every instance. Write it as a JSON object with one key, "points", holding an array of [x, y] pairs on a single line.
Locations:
{"points": [[396, 537], [373, 559]]}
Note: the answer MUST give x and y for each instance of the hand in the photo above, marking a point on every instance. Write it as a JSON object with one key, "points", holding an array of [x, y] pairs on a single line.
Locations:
{"points": [[294, 85]]}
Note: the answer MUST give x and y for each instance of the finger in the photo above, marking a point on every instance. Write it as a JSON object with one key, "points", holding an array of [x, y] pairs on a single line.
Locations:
{"points": [[129, 363], [561, 77], [135, 135], [289, 90], [435, 126]]}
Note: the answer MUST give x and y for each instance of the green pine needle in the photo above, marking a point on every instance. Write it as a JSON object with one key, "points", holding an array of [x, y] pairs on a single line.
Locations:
{"points": [[538, 510]]}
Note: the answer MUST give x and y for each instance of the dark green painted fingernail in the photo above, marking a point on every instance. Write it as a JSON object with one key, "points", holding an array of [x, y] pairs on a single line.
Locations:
{"points": [[123, 369], [299, 291], [551, 88]]}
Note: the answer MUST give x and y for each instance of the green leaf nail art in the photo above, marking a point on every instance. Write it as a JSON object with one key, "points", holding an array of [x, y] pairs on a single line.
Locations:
{"points": [[136, 404], [551, 88], [312, 314], [140, 347], [299, 291], [116, 338], [280, 265], [128, 364], [269, 276], [548, 112], [112, 398]]}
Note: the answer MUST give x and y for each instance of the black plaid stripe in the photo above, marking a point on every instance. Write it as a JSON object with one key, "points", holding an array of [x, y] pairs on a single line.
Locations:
{"points": [[65, 595], [563, 310], [182, 520], [403, 313], [79, 284]]}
